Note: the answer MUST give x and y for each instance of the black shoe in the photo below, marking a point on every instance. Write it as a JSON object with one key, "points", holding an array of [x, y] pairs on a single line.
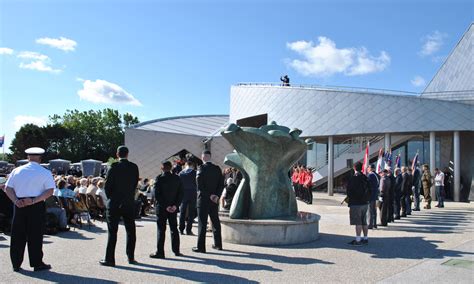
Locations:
{"points": [[190, 233], [66, 229], [107, 263], [355, 243], [132, 261], [42, 266], [370, 227], [181, 232], [195, 249], [16, 269], [216, 247], [157, 255], [178, 254], [365, 242], [403, 215], [375, 226]]}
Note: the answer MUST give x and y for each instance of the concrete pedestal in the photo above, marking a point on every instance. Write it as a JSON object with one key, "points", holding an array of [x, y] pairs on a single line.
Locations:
{"points": [[301, 229]]}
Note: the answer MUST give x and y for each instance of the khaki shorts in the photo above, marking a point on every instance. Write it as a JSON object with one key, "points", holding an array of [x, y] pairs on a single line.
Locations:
{"points": [[358, 214]]}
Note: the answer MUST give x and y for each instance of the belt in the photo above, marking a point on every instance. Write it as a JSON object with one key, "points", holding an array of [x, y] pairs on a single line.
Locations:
{"points": [[20, 198]]}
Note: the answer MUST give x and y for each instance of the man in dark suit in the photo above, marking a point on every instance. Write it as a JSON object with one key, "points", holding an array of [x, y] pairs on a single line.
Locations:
{"points": [[120, 187], [397, 193], [406, 192], [168, 193], [188, 205], [210, 184]]}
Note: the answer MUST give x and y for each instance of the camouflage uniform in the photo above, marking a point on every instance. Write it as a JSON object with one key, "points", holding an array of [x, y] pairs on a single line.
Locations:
{"points": [[427, 182]]}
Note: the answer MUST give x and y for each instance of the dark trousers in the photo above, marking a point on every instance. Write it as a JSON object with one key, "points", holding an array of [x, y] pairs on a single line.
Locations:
{"points": [[406, 205], [373, 214], [439, 190], [204, 211], [416, 197], [113, 219], [384, 210], [390, 210], [396, 206], [162, 217], [186, 217], [28, 226]]}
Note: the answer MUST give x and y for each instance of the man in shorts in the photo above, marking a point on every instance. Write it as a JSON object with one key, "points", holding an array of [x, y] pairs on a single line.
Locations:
{"points": [[358, 195]]}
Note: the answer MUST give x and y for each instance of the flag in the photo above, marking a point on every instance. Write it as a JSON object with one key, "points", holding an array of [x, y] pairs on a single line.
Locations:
{"points": [[2, 140], [415, 161], [366, 159], [379, 161], [388, 159], [398, 161]]}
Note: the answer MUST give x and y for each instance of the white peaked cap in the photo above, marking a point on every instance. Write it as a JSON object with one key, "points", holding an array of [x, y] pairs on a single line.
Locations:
{"points": [[34, 151]]}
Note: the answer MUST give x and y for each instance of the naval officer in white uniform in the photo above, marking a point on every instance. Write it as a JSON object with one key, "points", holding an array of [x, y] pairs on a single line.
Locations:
{"points": [[28, 187]]}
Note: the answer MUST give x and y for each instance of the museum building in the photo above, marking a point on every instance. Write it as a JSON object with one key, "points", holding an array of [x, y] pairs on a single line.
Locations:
{"points": [[438, 124]]}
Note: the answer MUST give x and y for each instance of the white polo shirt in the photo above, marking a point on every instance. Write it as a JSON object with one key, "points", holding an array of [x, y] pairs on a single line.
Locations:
{"points": [[30, 180]]}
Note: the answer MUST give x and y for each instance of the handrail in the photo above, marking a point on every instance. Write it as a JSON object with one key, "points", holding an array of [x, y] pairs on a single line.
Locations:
{"points": [[339, 153], [329, 87]]}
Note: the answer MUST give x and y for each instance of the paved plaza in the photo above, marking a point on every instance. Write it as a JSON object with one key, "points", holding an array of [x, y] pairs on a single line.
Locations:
{"points": [[411, 250]]}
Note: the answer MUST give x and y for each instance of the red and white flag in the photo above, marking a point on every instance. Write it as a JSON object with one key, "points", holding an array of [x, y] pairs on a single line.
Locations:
{"points": [[366, 159]]}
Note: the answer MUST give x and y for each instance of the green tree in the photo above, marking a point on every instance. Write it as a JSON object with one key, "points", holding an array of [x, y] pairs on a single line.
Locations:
{"points": [[57, 137], [29, 135], [93, 134], [75, 136]]}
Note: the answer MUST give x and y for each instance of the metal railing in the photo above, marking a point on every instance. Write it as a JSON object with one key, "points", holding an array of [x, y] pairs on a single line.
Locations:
{"points": [[354, 145], [332, 88]]}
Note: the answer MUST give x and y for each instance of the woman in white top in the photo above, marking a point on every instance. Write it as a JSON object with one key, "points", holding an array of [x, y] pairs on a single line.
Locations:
{"points": [[100, 191], [439, 186], [82, 188]]}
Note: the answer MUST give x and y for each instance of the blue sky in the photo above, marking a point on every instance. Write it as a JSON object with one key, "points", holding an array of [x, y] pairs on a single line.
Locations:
{"points": [[170, 58]]}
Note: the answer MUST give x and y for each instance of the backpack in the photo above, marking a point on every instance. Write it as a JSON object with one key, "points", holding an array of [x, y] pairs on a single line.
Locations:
{"points": [[51, 224]]}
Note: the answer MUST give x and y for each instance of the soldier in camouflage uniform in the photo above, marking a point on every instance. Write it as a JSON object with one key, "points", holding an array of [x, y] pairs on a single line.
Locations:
{"points": [[427, 181]]}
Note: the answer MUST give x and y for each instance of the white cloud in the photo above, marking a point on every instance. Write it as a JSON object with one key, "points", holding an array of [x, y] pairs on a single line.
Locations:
{"points": [[418, 81], [101, 91], [325, 59], [432, 43], [21, 120], [36, 61], [39, 65], [32, 55], [6, 51], [62, 43]]}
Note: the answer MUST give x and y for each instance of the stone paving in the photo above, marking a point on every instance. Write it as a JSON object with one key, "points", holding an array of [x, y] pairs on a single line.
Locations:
{"points": [[411, 250]]}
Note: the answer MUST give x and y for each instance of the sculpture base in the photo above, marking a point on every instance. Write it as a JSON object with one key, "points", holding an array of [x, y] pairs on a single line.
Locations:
{"points": [[286, 231]]}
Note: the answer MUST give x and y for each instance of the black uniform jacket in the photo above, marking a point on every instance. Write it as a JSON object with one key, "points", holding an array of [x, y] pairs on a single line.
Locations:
{"points": [[168, 191], [209, 181], [121, 183]]}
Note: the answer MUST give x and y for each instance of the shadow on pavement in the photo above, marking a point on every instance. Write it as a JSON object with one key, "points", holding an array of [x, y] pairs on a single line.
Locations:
{"points": [[224, 264], [434, 222], [62, 278], [272, 257], [383, 247], [199, 276]]}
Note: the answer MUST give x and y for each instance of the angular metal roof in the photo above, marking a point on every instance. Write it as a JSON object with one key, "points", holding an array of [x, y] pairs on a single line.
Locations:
{"points": [[198, 125]]}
